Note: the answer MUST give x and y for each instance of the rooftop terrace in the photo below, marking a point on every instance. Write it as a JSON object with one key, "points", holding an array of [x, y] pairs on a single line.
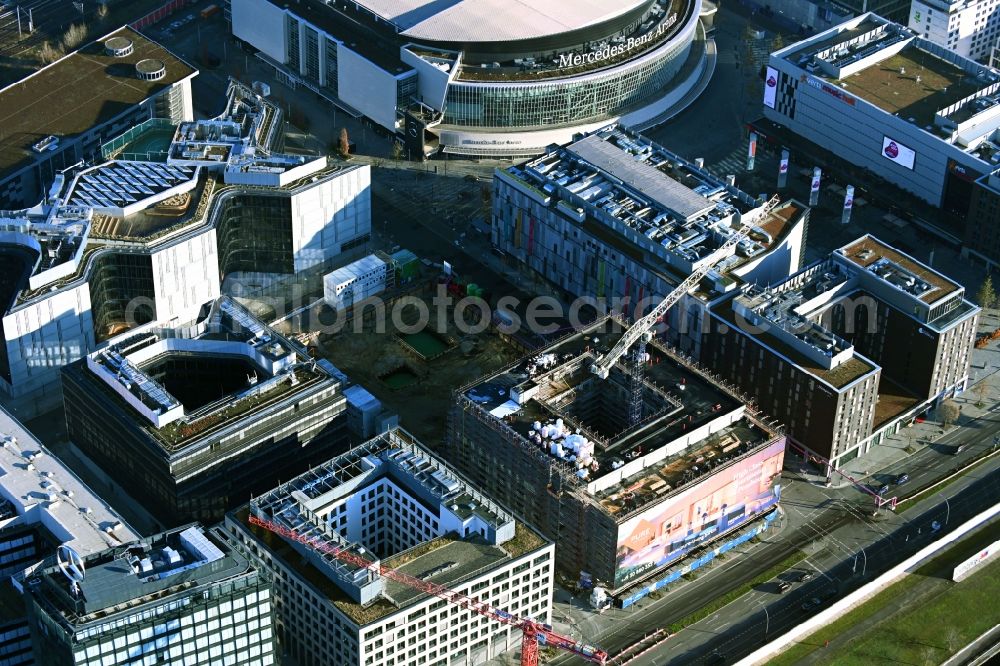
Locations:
{"points": [[86, 88], [849, 370], [898, 269]]}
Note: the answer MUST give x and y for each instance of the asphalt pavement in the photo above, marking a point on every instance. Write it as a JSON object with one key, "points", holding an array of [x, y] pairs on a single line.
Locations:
{"points": [[844, 558]]}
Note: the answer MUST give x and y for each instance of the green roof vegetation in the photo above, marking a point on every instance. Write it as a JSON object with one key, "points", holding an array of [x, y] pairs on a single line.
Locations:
{"points": [[78, 92]]}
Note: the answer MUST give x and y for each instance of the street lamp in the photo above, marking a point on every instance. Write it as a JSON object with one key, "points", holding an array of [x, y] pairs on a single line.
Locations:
{"points": [[947, 510], [767, 622]]}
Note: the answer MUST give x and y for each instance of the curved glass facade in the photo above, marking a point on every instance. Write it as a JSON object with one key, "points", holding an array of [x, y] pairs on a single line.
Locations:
{"points": [[569, 101]]}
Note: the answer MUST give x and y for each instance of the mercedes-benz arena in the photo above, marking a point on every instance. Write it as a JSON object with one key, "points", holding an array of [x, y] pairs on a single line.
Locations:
{"points": [[483, 77]]}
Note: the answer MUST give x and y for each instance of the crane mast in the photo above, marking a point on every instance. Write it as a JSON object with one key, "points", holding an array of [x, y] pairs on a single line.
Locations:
{"points": [[532, 633], [641, 331]]}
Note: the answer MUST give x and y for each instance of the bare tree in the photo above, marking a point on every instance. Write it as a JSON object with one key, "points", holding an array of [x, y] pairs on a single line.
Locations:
{"points": [[74, 36], [49, 53], [981, 391], [397, 150], [344, 145], [986, 296], [948, 412]]}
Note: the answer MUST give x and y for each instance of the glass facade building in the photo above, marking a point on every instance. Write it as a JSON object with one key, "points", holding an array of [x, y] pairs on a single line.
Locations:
{"points": [[496, 89], [179, 598], [571, 100], [255, 234]]}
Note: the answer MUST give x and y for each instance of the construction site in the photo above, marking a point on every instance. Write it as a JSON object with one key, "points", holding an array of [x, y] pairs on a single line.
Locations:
{"points": [[409, 368], [627, 473]]}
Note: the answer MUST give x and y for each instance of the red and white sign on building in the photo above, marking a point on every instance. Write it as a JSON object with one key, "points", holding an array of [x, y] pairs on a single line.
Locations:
{"points": [[770, 87], [897, 152]]}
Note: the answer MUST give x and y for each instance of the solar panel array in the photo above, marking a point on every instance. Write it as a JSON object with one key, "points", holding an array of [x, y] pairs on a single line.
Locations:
{"points": [[120, 184]]}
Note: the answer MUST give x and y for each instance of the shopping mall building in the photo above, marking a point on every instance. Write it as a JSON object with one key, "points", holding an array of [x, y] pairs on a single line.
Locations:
{"points": [[484, 77]]}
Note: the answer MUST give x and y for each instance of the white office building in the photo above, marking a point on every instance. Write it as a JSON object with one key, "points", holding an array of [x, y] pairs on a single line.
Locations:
{"points": [[391, 501], [970, 28], [127, 242]]}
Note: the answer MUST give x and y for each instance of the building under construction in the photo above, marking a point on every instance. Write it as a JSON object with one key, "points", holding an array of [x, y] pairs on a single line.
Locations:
{"points": [[551, 440]]}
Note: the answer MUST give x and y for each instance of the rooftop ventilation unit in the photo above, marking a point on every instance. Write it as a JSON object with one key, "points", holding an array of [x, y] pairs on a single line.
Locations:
{"points": [[150, 69], [119, 47]]}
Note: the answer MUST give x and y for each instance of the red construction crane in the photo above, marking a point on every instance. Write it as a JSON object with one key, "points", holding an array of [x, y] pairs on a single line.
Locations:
{"points": [[533, 633]]}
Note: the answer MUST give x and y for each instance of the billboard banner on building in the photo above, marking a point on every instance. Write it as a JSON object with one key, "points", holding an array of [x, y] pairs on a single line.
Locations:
{"points": [[973, 563], [897, 152], [770, 86], [720, 502]]}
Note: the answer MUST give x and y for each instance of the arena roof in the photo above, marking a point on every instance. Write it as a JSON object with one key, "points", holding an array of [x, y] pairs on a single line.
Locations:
{"points": [[476, 20]]}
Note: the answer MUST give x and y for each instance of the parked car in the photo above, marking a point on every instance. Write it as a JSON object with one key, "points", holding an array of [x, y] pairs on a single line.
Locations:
{"points": [[884, 489], [784, 586], [804, 576], [902, 478], [811, 603]]}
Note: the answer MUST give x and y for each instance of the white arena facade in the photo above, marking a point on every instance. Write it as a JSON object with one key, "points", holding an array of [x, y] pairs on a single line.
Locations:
{"points": [[483, 77]]}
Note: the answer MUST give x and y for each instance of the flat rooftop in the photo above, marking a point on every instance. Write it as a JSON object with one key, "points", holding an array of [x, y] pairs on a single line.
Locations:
{"points": [[838, 377], [143, 571], [616, 180], [866, 25], [41, 487], [644, 177], [494, 20], [914, 83], [422, 559], [84, 89], [914, 277]]}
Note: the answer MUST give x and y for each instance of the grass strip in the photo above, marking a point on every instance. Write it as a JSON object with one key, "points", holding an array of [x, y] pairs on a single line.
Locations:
{"points": [[738, 592], [939, 566]]}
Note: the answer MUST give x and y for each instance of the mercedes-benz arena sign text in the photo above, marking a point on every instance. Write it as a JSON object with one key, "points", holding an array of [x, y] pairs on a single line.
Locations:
{"points": [[608, 52]]}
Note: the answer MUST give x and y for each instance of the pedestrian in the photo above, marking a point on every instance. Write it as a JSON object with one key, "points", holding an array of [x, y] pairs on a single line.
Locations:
{"points": [[826, 644]]}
